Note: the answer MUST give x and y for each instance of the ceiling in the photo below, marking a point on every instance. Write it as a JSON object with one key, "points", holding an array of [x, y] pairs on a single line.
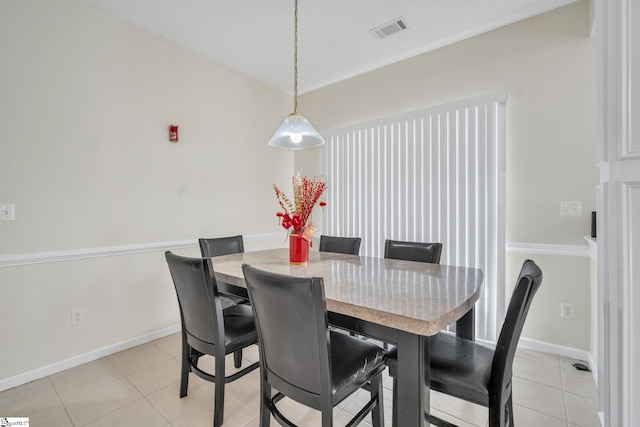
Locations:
{"points": [[255, 37]]}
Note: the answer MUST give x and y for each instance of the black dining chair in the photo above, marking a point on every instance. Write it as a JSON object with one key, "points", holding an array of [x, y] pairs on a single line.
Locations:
{"points": [[301, 358], [413, 251], [408, 251], [429, 252], [207, 329], [475, 373], [219, 246], [342, 245]]}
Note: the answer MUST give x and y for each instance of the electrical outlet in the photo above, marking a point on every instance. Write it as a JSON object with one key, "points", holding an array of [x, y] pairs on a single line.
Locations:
{"points": [[566, 310], [570, 208], [77, 317]]}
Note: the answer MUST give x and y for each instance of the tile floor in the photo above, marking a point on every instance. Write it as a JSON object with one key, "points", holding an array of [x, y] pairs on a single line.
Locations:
{"points": [[139, 387]]}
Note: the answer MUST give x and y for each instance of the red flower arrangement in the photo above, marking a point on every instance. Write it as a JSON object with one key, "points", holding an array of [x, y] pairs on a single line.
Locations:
{"points": [[306, 193]]}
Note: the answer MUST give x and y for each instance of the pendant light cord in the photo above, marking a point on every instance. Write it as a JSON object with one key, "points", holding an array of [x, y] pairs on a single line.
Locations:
{"points": [[295, 132], [295, 59]]}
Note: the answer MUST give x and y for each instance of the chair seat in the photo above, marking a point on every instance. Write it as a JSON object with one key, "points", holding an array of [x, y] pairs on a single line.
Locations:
{"points": [[229, 300], [239, 327], [352, 362], [459, 367]]}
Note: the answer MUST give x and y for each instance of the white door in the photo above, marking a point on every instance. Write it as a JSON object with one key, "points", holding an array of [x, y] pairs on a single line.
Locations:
{"points": [[619, 211]]}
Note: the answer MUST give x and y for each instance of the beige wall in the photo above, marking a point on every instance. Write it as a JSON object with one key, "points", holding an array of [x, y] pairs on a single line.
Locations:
{"points": [[86, 101], [86, 104], [547, 65]]}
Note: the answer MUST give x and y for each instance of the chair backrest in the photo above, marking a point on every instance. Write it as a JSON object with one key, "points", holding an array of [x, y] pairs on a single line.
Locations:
{"points": [[200, 307], [221, 246], [413, 251], [343, 245], [292, 324], [527, 285]]}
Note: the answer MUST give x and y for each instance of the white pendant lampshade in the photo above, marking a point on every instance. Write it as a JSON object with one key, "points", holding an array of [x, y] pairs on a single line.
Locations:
{"points": [[296, 133]]}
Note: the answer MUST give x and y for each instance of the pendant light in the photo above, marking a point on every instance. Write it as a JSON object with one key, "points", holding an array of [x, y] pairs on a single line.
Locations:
{"points": [[296, 132]]}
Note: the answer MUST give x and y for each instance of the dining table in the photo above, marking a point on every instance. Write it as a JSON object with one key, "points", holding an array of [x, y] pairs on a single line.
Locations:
{"points": [[398, 302]]}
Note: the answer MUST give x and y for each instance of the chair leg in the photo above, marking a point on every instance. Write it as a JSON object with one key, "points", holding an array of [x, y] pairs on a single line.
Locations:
{"points": [[218, 405], [377, 414], [237, 358], [500, 412], [185, 368], [327, 417], [394, 415], [510, 411], [265, 397]]}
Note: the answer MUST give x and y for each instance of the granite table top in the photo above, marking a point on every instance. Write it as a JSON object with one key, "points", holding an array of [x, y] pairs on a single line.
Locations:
{"points": [[415, 297]]}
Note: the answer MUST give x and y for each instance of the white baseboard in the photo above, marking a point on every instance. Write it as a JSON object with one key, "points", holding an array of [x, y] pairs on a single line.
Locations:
{"points": [[7, 383], [594, 369], [545, 347], [548, 249]]}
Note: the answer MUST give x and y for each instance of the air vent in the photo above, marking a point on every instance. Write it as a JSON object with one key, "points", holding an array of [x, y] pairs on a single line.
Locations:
{"points": [[389, 28]]}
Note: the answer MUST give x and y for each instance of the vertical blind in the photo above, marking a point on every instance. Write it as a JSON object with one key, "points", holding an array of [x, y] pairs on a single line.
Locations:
{"points": [[432, 175]]}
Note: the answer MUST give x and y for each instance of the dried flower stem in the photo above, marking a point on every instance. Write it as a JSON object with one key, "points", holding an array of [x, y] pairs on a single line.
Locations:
{"points": [[306, 193]]}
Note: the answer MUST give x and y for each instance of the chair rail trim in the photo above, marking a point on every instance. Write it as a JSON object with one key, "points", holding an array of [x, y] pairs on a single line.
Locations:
{"points": [[106, 251]]}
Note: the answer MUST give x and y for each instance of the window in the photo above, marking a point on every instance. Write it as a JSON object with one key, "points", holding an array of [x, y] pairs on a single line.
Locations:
{"points": [[433, 175]]}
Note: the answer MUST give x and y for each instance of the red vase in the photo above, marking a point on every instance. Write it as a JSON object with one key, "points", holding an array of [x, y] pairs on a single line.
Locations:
{"points": [[298, 249]]}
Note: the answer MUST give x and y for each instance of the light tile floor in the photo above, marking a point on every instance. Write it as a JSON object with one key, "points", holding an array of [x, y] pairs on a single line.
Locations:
{"points": [[139, 387]]}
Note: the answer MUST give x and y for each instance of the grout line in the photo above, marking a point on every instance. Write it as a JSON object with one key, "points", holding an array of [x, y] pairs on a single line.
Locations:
{"points": [[64, 405], [543, 413], [580, 396], [561, 388], [564, 397], [157, 410]]}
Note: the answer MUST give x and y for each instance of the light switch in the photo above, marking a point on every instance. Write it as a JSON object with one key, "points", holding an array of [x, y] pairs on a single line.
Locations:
{"points": [[7, 212]]}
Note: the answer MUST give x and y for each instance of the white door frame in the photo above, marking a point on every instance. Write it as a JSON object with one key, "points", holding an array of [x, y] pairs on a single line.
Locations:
{"points": [[619, 211]]}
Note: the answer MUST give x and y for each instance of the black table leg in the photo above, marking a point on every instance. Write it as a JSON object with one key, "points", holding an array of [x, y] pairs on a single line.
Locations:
{"points": [[413, 404], [466, 326]]}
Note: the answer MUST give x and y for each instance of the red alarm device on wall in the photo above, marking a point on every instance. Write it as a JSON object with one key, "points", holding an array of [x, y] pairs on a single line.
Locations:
{"points": [[173, 133]]}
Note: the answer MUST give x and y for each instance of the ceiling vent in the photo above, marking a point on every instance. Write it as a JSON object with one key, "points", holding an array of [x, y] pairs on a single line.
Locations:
{"points": [[385, 30]]}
